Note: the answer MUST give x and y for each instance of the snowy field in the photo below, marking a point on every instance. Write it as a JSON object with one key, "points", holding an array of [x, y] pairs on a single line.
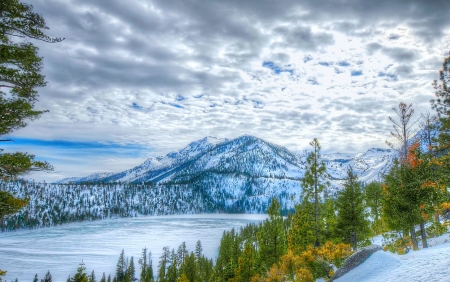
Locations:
{"points": [[98, 243], [429, 265]]}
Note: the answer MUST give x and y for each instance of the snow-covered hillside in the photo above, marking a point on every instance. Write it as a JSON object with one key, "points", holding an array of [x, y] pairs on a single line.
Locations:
{"points": [[431, 264], [246, 156], [207, 176]]}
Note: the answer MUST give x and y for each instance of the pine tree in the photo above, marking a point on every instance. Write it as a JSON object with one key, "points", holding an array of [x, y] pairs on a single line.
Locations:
{"points": [[374, 196], [48, 277], [121, 266], [164, 260], [198, 250], [146, 266], [189, 268], [246, 264], [404, 131], [172, 271], [103, 278], [92, 277], [36, 279], [81, 275], [271, 237], [301, 233], [352, 225], [20, 75], [131, 271], [313, 183], [442, 106]]}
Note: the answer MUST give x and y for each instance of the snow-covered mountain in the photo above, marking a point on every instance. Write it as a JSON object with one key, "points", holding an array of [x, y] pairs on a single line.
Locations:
{"points": [[207, 176], [232, 163]]}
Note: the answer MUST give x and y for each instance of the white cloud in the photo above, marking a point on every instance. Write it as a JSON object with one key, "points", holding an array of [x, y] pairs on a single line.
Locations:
{"points": [[119, 75]]}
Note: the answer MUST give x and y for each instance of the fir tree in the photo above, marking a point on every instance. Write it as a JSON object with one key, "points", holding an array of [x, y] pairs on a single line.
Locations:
{"points": [[20, 75], [272, 237], [198, 250], [246, 264], [352, 225], [48, 277], [163, 262], [313, 183], [374, 197], [103, 278], [36, 279], [81, 275], [301, 233], [92, 277], [189, 268], [121, 266]]}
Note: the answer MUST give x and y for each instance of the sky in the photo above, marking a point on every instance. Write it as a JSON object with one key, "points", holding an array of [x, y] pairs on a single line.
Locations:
{"points": [[138, 79]]}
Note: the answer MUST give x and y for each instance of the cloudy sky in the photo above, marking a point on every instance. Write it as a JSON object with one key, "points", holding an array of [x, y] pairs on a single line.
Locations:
{"points": [[137, 79]]}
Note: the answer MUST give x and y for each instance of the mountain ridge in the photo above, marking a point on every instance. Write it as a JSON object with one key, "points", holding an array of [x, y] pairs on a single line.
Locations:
{"points": [[245, 155]]}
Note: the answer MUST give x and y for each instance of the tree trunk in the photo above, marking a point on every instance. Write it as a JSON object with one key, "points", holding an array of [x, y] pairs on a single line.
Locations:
{"points": [[413, 237], [424, 235]]}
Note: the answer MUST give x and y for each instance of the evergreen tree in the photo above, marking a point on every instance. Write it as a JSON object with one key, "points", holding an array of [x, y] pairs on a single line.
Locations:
{"points": [[163, 262], [404, 131], [81, 275], [92, 277], [172, 271], [442, 106], [48, 277], [103, 278], [146, 266], [301, 233], [246, 264], [352, 225], [189, 268], [20, 68], [121, 266], [36, 279], [272, 237], [330, 220], [313, 183], [374, 197], [198, 250], [131, 271]]}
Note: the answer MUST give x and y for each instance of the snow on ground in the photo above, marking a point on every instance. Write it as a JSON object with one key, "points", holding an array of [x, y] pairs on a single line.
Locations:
{"points": [[431, 264]]}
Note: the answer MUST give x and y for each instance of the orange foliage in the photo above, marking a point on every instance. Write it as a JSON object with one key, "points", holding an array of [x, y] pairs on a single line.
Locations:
{"points": [[412, 158], [293, 267]]}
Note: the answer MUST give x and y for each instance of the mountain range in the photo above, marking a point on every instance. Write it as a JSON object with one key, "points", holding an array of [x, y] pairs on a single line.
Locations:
{"points": [[231, 164]]}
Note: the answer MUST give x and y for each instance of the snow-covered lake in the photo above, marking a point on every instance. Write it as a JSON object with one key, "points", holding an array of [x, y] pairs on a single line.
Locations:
{"points": [[98, 243]]}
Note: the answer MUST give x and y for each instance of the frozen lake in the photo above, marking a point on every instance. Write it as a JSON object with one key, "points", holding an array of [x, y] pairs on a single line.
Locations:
{"points": [[99, 243]]}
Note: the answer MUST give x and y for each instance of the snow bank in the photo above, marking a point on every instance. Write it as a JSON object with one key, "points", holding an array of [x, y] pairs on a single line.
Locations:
{"points": [[432, 264]]}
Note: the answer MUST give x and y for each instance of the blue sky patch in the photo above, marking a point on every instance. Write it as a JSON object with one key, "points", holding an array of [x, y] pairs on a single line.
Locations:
{"points": [[136, 106], [324, 64], [343, 64], [177, 106], [356, 73], [391, 76], [180, 98], [76, 148], [275, 68]]}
